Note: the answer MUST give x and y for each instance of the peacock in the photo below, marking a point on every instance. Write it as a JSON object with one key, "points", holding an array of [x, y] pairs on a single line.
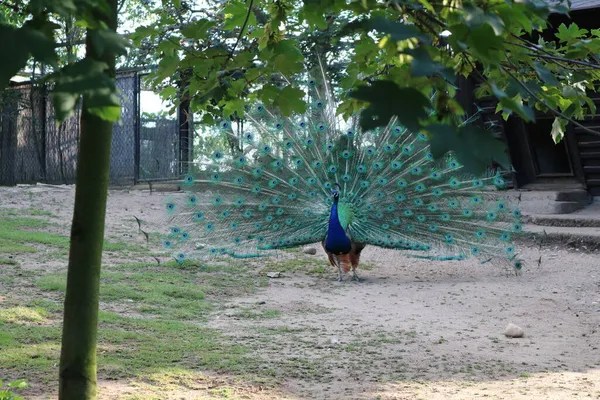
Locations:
{"points": [[280, 182]]}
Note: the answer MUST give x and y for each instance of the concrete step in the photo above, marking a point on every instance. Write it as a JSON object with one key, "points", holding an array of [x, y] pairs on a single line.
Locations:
{"points": [[538, 207], [564, 220], [165, 186], [548, 195], [576, 195], [584, 239]]}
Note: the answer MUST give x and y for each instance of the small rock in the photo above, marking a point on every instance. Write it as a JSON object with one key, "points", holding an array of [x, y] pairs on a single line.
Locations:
{"points": [[274, 274], [513, 331], [334, 340], [310, 250]]}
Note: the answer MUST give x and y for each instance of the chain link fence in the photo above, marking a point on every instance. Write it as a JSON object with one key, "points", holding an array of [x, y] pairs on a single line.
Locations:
{"points": [[34, 148]]}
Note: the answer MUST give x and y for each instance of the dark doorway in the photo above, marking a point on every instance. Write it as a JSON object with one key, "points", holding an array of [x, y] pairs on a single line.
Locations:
{"points": [[548, 159], [536, 158]]}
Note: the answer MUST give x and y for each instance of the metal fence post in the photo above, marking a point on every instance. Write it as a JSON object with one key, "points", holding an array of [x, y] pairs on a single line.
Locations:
{"points": [[8, 142], [136, 126], [184, 118]]}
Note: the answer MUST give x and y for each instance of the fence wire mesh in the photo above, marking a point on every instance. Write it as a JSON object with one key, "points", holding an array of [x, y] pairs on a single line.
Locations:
{"points": [[34, 148]]}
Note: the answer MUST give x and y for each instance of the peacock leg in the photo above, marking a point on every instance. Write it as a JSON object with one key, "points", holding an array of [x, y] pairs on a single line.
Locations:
{"points": [[339, 273], [355, 276]]}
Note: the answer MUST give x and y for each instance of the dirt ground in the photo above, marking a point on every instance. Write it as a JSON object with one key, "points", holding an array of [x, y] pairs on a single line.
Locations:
{"points": [[412, 329]]}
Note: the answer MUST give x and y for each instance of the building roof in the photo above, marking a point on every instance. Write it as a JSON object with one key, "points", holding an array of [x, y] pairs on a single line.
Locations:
{"points": [[584, 4]]}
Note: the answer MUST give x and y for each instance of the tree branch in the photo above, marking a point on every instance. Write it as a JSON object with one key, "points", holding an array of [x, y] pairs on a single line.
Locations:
{"points": [[553, 110], [240, 34], [576, 62]]}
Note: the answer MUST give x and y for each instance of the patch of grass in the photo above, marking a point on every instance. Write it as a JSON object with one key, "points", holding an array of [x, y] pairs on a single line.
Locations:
{"points": [[134, 346], [36, 212], [167, 294], [366, 266], [128, 347], [318, 270], [280, 330], [165, 291], [49, 307], [15, 232], [297, 264], [151, 320], [9, 261], [12, 247], [250, 313], [23, 315], [120, 246], [56, 282]]}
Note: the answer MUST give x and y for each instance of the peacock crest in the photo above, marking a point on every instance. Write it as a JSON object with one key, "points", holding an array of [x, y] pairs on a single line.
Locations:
{"points": [[270, 187]]}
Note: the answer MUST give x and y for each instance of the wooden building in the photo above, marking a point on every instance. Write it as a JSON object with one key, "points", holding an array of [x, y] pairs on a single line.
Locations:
{"points": [[571, 166]]}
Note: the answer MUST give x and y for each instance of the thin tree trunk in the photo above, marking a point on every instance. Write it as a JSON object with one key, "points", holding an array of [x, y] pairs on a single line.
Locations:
{"points": [[78, 355]]}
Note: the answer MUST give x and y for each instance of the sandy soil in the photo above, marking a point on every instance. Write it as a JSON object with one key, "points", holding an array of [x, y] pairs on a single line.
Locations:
{"points": [[412, 329]]}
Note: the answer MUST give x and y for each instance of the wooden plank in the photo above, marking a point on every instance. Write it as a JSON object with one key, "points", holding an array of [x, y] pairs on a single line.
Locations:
{"points": [[591, 169], [589, 154]]}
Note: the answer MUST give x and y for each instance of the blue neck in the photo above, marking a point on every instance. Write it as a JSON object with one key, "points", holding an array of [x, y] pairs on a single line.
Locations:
{"points": [[336, 241]]}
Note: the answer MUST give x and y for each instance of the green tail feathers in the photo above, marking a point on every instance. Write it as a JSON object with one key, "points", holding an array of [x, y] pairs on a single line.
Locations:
{"points": [[269, 188]]}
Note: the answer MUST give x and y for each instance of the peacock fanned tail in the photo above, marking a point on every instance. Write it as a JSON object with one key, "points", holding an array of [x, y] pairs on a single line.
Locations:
{"points": [[273, 191]]}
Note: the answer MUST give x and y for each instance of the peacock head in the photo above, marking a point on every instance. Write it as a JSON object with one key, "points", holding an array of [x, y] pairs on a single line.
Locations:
{"points": [[335, 192]]}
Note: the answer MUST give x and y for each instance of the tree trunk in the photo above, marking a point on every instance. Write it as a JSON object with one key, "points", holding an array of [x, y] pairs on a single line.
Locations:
{"points": [[78, 356]]}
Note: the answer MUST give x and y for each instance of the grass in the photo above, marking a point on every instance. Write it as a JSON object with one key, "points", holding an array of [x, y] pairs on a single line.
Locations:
{"points": [[152, 324], [21, 235], [164, 291], [151, 320], [36, 212], [127, 346], [18, 235], [22, 314], [249, 313]]}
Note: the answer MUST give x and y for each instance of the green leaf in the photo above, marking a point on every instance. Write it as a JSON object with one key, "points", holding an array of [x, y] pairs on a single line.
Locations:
{"points": [[235, 15], [62, 7], [486, 45], [545, 74], [107, 113], [314, 12], [387, 100], [475, 17], [18, 384], [104, 104], [570, 33], [234, 107], [288, 100], [88, 78], [287, 58], [558, 129], [198, 29], [19, 54], [474, 147], [168, 92], [569, 91], [107, 40], [511, 104], [64, 104], [168, 66], [423, 65], [397, 30]]}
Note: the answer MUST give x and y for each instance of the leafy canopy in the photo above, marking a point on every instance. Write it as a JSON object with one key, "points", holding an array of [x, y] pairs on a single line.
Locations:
{"points": [[33, 33], [387, 58]]}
